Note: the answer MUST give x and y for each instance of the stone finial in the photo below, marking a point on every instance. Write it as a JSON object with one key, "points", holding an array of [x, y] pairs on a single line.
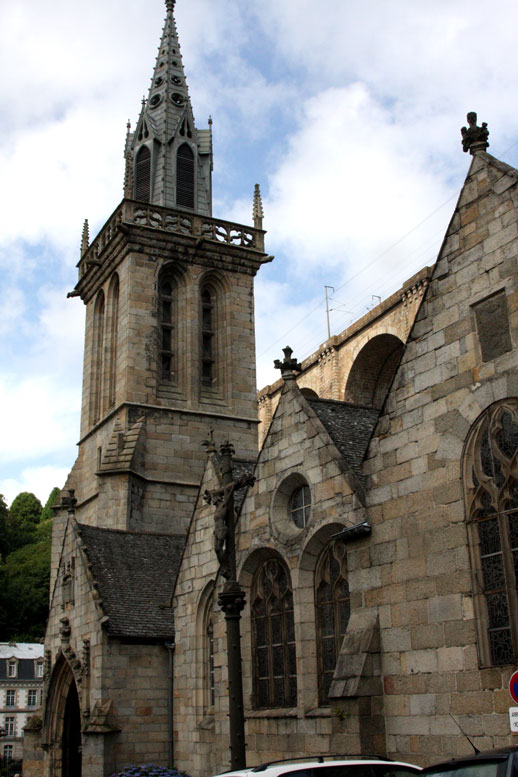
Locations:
{"points": [[169, 4], [288, 366], [85, 238], [474, 138], [258, 208]]}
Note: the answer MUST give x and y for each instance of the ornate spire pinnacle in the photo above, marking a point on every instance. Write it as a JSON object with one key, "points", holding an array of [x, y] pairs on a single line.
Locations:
{"points": [[258, 208], [474, 138], [288, 366], [128, 167], [85, 238], [171, 160]]}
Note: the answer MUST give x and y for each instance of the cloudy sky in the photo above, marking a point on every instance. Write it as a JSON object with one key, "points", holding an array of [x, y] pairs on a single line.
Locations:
{"points": [[347, 112]]}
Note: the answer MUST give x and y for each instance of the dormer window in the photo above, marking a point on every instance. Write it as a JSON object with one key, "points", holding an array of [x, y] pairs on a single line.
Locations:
{"points": [[12, 668]]}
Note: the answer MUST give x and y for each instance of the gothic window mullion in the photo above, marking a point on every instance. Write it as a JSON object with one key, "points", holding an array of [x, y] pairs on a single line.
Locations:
{"points": [[493, 503]]}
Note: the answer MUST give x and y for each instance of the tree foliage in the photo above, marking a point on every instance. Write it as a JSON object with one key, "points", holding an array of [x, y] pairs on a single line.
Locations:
{"points": [[25, 540], [49, 504], [26, 509]]}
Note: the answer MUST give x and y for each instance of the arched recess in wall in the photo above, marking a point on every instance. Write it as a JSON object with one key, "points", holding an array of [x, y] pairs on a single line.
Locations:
{"points": [[213, 342], [320, 643], [61, 733], [112, 340], [96, 387], [143, 174], [490, 479], [171, 337], [308, 392], [373, 370], [185, 176]]}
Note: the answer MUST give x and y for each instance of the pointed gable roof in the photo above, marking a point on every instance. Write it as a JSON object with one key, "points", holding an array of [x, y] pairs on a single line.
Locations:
{"points": [[135, 575]]}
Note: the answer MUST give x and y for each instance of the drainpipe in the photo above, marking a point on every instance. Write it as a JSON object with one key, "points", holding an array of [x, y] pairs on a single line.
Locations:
{"points": [[170, 646]]}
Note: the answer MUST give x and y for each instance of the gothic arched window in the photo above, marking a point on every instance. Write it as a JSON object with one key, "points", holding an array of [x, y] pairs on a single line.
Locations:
{"points": [[208, 337], [332, 602], [273, 637], [185, 176], [143, 174], [167, 315], [113, 331], [97, 358], [491, 496]]}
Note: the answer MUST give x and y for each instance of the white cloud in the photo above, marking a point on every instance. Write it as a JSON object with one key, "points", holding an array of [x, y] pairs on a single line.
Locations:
{"points": [[37, 480], [348, 113]]}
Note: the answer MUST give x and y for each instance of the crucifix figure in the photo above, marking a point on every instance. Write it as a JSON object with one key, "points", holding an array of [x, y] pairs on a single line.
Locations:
{"points": [[224, 516]]}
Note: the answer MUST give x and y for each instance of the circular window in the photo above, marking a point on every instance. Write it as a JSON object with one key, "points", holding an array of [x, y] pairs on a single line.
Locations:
{"points": [[177, 98], [155, 100], [299, 506], [290, 507]]}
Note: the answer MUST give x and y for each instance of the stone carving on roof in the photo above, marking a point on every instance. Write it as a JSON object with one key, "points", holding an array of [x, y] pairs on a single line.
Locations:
{"points": [[474, 138]]}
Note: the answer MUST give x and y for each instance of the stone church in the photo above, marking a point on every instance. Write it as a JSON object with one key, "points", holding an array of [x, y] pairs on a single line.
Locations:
{"points": [[375, 532]]}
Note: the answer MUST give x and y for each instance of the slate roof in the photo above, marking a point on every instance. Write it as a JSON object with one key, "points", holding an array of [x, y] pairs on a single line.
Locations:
{"points": [[241, 467], [349, 426], [135, 574]]}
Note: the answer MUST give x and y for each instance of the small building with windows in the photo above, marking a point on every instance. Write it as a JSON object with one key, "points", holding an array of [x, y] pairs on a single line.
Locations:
{"points": [[21, 689]]}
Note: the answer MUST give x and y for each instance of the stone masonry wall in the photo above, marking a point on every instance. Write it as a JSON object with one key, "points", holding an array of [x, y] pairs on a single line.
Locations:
{"points": [[415, 569]]}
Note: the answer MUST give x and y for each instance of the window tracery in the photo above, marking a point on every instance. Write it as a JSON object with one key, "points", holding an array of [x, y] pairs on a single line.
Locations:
{"points": [[168, 328], [332, 602], [491, 480], [273, 637]]}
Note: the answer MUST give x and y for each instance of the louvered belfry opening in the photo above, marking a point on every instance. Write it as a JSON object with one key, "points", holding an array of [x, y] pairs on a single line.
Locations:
{"points": [[143, 175], [185, 176]]}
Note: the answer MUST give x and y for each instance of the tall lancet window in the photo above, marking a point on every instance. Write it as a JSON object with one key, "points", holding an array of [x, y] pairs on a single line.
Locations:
{"points": [[168, 328], [143, 174], [491, 494], [208, 336], [185, 176], [332, 602], [97, 358], [113, 330], [273, 637]]}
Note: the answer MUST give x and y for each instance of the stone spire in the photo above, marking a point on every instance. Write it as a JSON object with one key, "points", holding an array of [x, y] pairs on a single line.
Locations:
{"points": [[166, 125], [258, 208], [85, 238]]}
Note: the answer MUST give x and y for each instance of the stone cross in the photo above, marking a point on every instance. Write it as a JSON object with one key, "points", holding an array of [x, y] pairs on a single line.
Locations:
{"points": [[288, 366]]}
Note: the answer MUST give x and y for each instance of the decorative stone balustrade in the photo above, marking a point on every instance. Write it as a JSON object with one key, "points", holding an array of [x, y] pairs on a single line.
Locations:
{"points": [[170, 220]]}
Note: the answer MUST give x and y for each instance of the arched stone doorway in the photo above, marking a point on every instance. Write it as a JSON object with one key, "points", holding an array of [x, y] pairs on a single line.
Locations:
{"points": [[373, 370], [61, 736], [71, 743]]}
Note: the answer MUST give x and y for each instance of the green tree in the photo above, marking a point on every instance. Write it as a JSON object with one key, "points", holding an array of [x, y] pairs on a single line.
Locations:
{"points": [[24, 517], [4, 528], [25, 581], [49, 504], [26, 509]]}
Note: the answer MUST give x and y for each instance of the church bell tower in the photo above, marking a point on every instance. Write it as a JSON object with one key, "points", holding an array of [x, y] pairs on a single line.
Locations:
{"points": [[169, 340]]}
